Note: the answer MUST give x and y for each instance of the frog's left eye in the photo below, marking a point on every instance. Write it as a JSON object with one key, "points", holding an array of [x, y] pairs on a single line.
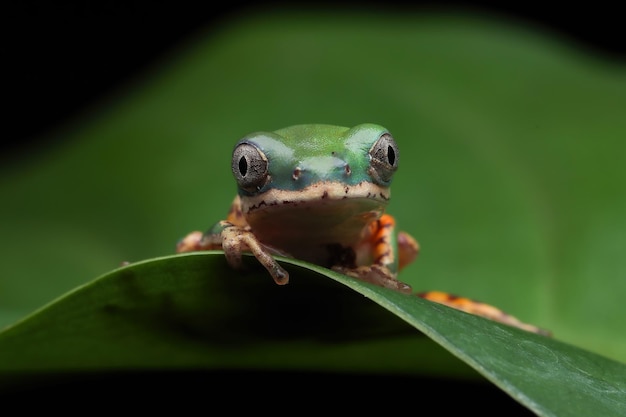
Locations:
{"points": [[249, 167], [383, 159]]}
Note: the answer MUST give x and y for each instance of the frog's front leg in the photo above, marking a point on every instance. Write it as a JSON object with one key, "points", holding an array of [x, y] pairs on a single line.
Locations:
{"points": [[234, 240], [379, 255], [234, 237]]}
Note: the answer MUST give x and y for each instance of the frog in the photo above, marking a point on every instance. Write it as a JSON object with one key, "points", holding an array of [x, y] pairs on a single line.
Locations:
{"points": [[319, 193]]}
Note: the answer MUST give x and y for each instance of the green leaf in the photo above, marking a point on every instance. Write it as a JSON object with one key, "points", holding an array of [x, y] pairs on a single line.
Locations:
{"points": [[193, 311], [190, 310]]}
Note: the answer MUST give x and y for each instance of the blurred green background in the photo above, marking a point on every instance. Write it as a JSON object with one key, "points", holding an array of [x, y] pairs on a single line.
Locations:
{"points": [[511, 174]]}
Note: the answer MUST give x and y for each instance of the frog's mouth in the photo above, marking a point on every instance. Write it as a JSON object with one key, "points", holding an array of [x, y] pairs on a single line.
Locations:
{"points": [[323, 212]]}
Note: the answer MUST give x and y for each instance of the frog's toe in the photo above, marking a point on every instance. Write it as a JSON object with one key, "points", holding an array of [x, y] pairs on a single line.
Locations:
{"points": [[278, 273], [281, 277], [233, 257]]}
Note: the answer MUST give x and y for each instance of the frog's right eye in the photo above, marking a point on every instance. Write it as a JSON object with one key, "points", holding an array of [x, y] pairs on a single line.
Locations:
{"points": [[249, 167]]}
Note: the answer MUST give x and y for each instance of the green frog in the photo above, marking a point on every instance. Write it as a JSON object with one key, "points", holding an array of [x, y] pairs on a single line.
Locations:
{"points": [[318, 193]]}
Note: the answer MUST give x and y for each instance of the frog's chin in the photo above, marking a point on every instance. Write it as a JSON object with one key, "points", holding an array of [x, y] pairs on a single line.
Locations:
{"points": [[323, 212]]}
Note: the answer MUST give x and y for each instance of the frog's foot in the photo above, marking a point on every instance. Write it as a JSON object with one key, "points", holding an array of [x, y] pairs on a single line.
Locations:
{"points": [[192, 242], [375, 274], [408, 249], [235, 240], [480, 309]]}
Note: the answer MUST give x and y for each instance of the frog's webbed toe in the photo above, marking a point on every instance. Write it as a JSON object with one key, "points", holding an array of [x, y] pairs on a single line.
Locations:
{"points": [[376, 274]]}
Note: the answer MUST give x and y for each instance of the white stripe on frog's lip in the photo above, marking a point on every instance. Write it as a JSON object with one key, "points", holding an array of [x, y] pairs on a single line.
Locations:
{"points": [[318, 192]]}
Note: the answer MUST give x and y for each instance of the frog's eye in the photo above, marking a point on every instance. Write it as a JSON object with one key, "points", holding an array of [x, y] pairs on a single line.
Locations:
{"points": [[383, 159], [249, 166]]}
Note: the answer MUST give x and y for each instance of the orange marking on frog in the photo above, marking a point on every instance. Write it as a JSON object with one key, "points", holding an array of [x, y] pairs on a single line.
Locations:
{"points": [[380, 236]]}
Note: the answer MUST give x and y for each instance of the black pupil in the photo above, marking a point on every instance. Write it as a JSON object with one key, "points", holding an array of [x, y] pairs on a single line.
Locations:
{"points": [[391, 155], [243, 166]]}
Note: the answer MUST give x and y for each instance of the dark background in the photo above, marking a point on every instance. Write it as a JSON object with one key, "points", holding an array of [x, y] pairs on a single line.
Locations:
{"points": [[63, 58]]}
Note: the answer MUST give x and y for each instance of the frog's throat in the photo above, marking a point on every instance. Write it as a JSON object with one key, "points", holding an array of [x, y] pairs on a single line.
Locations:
{"points": [[318, 193]]}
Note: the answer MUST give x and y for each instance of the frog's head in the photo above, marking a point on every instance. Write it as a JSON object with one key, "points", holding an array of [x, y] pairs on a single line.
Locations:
{"points": [[294, 158], [330, 171]]}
